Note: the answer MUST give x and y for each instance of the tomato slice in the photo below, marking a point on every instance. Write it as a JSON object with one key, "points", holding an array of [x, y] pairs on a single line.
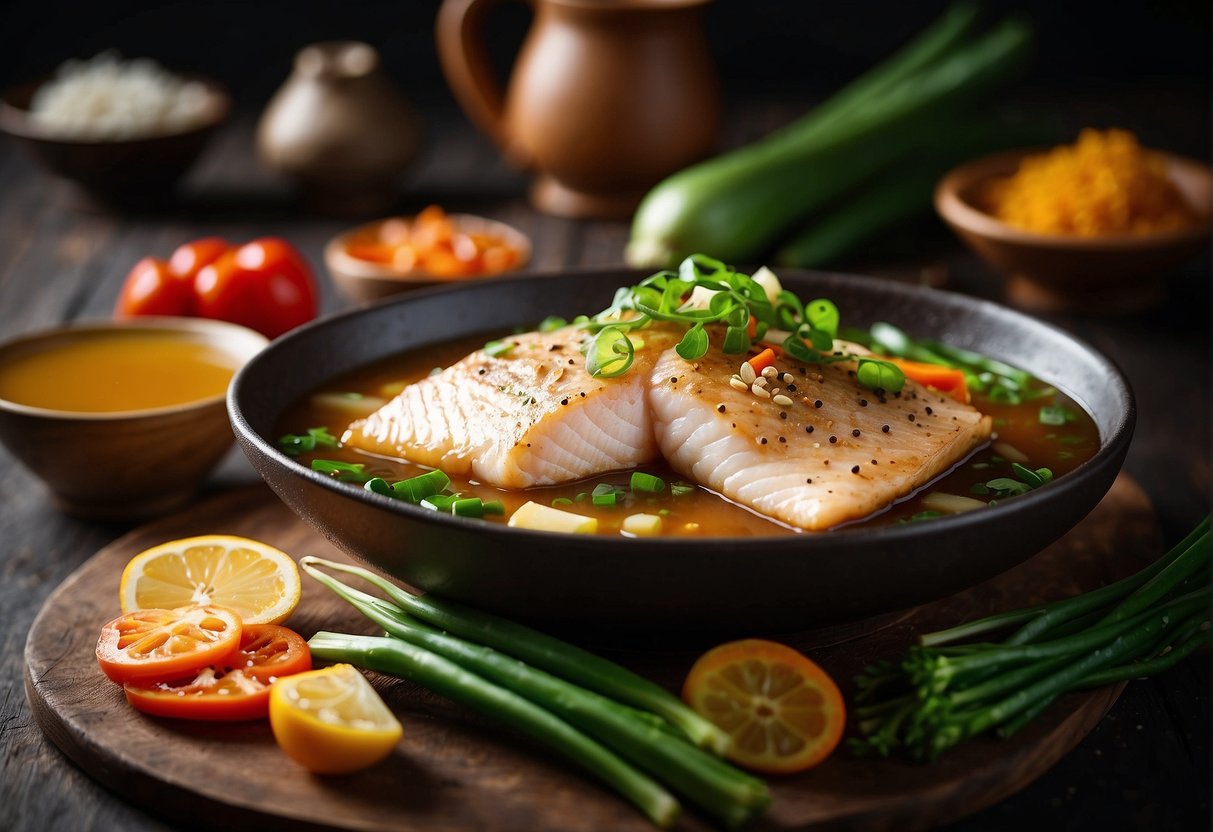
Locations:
{"points": [[166, 644], [268, 652], [235, 688], [211, 695]]}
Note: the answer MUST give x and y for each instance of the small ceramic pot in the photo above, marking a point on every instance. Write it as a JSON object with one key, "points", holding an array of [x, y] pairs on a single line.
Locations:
{"points": [[340, 128]]}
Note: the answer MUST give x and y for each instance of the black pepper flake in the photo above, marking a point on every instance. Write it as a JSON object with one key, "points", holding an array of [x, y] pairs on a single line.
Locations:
{"points": [[863, 402], [803, 371], [884, 428], [854, 469], [836, 352], [910, 417], [833, 440], [809, 481], [874, 462], [763, 440], [827, 462], [554, 348], [808, 428], [781, 439], [817, 403], [791, 388], [583, 394], [720, 408], [673, 379], [564, 402], [571, 361], [482, 371], [855, 432], [783, 414], [929, 410], [734, 424]]}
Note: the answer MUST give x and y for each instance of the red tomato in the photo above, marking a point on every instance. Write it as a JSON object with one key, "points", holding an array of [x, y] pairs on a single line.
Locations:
{"points": [[151, 288], [166, 644], [190, 258], [265, 285], [235, 688]]}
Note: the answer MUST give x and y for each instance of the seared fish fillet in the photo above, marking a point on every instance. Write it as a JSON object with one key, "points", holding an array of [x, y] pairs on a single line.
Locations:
{"points": [[839, 452], [531, 417]]}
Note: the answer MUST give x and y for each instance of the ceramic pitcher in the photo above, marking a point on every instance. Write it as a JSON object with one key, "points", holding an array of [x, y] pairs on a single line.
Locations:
{"points": [[606, 98], [340, 128]]}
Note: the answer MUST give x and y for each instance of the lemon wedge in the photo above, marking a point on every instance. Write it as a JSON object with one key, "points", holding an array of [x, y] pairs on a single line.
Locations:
{"points": [[331, 721], [256, 580]]}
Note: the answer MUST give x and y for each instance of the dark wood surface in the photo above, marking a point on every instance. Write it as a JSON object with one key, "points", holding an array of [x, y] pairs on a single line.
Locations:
{"points": [[235, 774], [1145, 766]]}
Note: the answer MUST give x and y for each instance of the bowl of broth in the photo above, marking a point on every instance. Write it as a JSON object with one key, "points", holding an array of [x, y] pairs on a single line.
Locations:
{"points": [[121, 419], [722, 570]]}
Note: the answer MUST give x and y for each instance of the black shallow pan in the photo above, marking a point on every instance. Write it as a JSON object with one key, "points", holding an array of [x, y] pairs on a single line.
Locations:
{"points": [[721, 586]]}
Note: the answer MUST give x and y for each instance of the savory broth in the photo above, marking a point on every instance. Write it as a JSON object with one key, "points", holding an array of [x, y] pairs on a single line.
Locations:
{"points": [[111, 371], [1023, 433]]}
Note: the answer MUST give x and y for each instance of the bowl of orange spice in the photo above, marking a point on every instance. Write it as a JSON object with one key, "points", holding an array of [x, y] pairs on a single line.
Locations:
{"points": [[1091, 226], [396, 254]]}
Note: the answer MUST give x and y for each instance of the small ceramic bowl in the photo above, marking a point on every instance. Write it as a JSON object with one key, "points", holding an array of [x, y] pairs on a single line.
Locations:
{"points": [[1054, 272], [129, 464], [364, 281], [121, 173]]}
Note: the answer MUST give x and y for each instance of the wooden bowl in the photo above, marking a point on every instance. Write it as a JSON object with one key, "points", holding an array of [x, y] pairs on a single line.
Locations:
{"points": [[133, 172], [130, 464], [364, 281], [720, 586], [1054, 272]]}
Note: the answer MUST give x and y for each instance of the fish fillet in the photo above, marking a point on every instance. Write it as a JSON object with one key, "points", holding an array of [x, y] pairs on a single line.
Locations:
{"points": [[838, 453], [531, 417]]}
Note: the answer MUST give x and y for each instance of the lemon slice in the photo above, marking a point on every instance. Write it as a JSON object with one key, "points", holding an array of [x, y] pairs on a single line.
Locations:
{"points": [[331, 721], [259, 582]]}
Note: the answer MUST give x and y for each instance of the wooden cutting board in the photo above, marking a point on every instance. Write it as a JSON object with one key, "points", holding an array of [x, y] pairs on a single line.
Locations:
{"points": [[456, 771]]}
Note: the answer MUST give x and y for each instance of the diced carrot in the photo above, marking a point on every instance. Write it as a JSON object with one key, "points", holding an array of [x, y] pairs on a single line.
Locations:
{"points": [[943, 379], [751, 327], [374, 252], [764, 359]]}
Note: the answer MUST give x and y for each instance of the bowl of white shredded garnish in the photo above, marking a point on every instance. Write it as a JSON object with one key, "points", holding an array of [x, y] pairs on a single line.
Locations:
{"points": [[124, 130]]}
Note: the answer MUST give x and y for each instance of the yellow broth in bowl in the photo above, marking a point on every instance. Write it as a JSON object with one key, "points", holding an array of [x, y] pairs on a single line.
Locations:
{"points": [[109, 371]]}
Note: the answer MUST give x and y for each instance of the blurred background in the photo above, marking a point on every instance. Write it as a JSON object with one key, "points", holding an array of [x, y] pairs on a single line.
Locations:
{"points": [[772, 48]]}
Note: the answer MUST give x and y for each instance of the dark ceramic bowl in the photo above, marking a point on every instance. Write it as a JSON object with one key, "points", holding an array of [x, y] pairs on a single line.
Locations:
{"points": [[721, 586], [135, 172]]}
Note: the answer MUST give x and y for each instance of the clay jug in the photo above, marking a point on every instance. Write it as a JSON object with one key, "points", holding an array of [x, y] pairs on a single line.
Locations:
{"points": [[340, 128], [606, 97]]}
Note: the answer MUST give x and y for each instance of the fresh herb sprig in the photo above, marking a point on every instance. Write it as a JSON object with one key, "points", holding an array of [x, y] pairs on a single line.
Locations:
{"points": [[944, 692], [294, 444], [735, 301], [1026, 479]]}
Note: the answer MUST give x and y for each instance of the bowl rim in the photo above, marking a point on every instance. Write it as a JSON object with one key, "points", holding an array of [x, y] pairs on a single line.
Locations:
{"points": [[953, 207], [354, 268], [210, 328], [15, 120], [1110, 445]]}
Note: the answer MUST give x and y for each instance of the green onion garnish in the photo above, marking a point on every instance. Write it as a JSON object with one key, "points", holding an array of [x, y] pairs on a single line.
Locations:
{"points": [[378, 485], [468, 507], [552, 323], [561, 501], [439, 502], [498, 348], [343, 471], [494, 507], [681, 489], [647, 483], [294, 444], [417, 489]]}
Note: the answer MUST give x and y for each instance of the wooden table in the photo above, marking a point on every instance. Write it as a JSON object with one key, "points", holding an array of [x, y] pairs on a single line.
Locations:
{"points": [[1145, 767]]}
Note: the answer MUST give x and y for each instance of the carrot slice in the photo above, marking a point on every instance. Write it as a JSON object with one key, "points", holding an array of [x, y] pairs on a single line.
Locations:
{"points": [[764, 359], [943, 379]]}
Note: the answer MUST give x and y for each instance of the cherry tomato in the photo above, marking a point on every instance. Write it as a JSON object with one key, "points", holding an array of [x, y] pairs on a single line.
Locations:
{"points": [[151, 288], [265, 285], [190, 258], [166, 644], [235, 688]]}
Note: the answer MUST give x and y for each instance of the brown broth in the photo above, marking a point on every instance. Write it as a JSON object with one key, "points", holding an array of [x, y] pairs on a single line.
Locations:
{"points": [[702, 512]]}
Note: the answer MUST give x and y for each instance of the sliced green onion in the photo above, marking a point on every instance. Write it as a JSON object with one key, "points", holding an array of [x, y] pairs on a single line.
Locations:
{"points": [[552, 323], [343, 471], [439, 502], [468, 507], [681, 489], [378, 485], [562, 501], [417, 489], [294, 444], [647, 483], [494, 507], [498, 348]]}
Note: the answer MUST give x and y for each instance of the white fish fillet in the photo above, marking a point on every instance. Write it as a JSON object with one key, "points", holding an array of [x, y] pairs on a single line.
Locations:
{"points": [[531, 417], [809, 466]]}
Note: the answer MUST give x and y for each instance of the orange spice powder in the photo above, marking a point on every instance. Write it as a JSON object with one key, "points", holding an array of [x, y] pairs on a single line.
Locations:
{"points": [[1104, 184]]}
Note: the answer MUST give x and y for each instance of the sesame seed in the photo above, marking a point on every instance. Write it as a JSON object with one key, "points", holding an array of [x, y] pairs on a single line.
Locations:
{"points": [[760, 392], [769, 372], [746, 372], [737, 384], [761, 382], [854, 469], [855, 432]]}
